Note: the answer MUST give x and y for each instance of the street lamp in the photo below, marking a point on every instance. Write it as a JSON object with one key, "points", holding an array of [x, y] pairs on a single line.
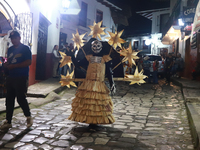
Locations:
{"points": [[70, 7]]}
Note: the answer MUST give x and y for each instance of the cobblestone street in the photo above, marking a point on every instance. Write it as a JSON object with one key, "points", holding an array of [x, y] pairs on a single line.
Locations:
{"points": [[148, 117]]}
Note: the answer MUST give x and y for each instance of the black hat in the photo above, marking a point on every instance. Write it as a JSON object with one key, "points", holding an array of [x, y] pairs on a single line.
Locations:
{"points": [[14, 34]]}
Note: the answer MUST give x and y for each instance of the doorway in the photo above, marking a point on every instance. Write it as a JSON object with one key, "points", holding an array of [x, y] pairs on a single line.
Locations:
{"points": [[41, 48]]}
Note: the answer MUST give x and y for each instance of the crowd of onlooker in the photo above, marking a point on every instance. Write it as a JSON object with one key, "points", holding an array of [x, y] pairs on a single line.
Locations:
{"points": [[172, 65]]}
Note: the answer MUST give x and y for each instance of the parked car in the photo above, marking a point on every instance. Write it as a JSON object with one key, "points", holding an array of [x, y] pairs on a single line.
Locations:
{"points": [[152, 58]]}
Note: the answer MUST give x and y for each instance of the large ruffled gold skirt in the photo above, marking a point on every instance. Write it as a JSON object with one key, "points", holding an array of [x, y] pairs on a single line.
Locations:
{"points": [[92, 104]]}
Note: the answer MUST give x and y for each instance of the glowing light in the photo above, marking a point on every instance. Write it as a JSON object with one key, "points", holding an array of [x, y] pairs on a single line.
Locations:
{"points": [[180, 22], [172, 30], [148, 42]]}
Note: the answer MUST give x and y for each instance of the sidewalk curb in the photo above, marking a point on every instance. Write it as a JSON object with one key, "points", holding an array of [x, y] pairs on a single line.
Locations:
{"points": [[52, 96], [42, 99], [193, 116], [193, 119]]}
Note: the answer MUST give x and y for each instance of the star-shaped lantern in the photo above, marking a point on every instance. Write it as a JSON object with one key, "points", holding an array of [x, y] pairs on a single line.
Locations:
{"points": [[96, 30], [115, 40], [137, 77], [78, 40], [67, 80], [129, 55], [66, 60]]}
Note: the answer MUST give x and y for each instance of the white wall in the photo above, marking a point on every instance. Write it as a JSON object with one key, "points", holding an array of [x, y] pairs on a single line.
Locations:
{"points": [[156, 21], [50, 12], [71, 25], [52, 15]]}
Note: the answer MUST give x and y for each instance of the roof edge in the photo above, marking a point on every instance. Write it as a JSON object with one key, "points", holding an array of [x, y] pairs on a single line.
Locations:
{"points": [[153, 10], [109, 4]]}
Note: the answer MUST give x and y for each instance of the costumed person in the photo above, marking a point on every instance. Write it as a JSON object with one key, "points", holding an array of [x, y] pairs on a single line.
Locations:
{"points": [[92, 103]]}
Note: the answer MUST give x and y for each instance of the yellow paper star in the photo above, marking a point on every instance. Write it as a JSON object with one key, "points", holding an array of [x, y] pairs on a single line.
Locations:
{"points": [[78, 40], [129, 55], [66, 60], [137, 77], [96, 30], [67, 80], [115, 40]]}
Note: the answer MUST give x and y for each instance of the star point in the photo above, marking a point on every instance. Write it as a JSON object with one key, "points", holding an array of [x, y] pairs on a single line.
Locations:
{"points": [[67, 80], [129, 55], [138, 77], [115, 40], [78, 40], [66, 60], [96, 30]]}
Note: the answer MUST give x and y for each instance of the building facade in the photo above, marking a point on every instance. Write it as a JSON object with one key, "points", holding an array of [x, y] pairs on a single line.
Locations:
{"points": [[158, 18], [42, 23], [139, 43], [91, 11], [39, 26], [177, 33]]}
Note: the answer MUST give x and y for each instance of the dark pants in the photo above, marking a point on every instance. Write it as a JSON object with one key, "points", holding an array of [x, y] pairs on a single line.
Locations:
{"points": [[168, 74], [16, 87], [155, 77], [147, 73]]}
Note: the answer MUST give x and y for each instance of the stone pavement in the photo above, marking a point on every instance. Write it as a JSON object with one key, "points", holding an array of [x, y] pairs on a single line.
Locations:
{"points": [[191, 93], [148, 117]]}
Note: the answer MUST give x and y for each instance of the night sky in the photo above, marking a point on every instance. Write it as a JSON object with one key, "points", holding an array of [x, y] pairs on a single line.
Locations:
{"points": [[137, 23]]}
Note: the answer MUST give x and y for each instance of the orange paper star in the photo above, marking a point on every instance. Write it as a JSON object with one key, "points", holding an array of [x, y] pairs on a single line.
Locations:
{"points": [[67, 80], [78, 40], [96, 30], [66, 60], [115, 40], [129, 55]]}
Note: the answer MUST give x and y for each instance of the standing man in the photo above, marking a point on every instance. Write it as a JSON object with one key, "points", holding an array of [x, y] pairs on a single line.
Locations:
{"points": [[56, 60], [155, 71], [180, 65], [168, 67], [146, 67], [19, 59]]}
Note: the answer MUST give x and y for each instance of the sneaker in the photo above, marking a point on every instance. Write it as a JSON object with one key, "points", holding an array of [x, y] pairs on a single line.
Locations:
{"points": [[29, 122], [5, 126]]}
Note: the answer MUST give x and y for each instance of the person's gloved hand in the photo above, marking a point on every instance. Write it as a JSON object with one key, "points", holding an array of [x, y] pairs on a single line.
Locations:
{"points": [[113, 89]]}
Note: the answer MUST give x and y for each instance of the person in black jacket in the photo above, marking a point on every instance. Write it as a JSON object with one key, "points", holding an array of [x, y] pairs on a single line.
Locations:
{"points": [[168, 67]]}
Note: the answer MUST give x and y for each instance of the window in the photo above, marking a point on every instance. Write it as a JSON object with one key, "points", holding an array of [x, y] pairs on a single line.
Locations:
{"points": [[135, 44], [99, 16], [83, 15], [144, 45]]}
